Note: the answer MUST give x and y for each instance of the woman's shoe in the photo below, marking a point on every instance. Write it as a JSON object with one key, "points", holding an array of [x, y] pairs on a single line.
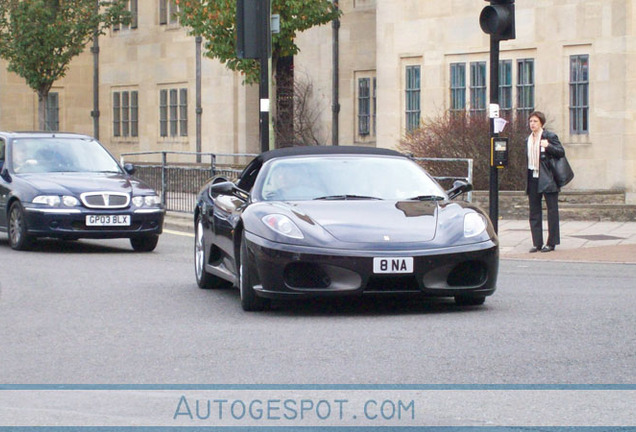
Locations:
{"points": [[548, 248]]}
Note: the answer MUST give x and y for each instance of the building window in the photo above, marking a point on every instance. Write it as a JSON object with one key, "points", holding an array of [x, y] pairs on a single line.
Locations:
{"points": [[131, 7], [505, 88], [116, 114], [364, 106], [173, 119], [126, 114], [53, 112], [458, 87], [183, 112], [173, 110], [413, 87], [134, 114], [579, 94], [525, 88], [168, 12], [374, 104], [478, 88]]}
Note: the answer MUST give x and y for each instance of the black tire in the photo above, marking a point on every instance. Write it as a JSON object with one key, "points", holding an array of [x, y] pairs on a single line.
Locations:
{"points": [[462, 300], [250, 301], [19, 239], [146, 243], [205, 280]]}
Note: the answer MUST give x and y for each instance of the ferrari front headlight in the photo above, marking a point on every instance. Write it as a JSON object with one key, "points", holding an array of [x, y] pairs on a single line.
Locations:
{"points": [[282, 225], [474, 224]]}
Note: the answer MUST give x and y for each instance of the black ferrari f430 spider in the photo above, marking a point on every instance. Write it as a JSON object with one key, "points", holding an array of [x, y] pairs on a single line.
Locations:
{"points": [[320, 221]]}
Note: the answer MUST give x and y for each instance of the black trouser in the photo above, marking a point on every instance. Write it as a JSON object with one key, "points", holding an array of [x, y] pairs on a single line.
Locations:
{"points": [[536, 216]]}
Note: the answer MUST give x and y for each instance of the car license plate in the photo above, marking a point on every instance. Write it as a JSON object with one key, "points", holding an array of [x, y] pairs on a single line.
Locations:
{"points": [[393, 265], [108, 220]]}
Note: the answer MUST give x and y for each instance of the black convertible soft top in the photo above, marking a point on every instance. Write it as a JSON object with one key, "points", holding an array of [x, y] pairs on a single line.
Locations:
{"points": [[325, 150], [246, 179]]}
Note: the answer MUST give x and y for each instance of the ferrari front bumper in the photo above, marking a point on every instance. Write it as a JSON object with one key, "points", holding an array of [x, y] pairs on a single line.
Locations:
{"points": [[282, 270]]}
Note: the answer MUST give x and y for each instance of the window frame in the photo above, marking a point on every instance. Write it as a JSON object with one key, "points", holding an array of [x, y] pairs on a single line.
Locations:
{"points": [[364, 106], [125, 113], [173, 112], [525, 87], [168, 11], [505, 88], [457, 87], [478, 88], [132, 6], [52, 122], [412, 95], [579, 98]]}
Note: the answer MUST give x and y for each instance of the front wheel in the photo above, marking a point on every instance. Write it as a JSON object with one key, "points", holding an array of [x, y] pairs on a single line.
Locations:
{"points": [[146, 243], [249, 300], [19, 239], [205, 280]]}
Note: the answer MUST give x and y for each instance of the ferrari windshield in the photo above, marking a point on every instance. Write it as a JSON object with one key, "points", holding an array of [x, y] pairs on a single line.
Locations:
{"points": [[346, 178], [43, 155]]}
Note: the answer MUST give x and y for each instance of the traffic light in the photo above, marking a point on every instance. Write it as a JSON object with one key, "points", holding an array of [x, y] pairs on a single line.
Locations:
{"points": [[498, 19], [253, 29]]}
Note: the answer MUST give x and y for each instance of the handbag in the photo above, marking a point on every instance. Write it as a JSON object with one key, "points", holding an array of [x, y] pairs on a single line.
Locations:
{"points": [[562, 171]]}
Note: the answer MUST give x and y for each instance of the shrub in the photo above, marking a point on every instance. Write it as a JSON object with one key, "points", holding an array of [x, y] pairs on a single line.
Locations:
{"points": [[451, 135]]}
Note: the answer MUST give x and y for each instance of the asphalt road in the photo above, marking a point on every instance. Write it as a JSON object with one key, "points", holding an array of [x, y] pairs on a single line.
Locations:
{"points": [[95, 312]]}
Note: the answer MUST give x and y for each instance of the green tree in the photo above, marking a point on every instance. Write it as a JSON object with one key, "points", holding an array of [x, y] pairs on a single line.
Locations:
{"points": [[214, 20], [39, 38]]}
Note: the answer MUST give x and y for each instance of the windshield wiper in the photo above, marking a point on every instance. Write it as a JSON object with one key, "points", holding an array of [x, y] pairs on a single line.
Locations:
{"points": [[347, 197], [426, 198]]}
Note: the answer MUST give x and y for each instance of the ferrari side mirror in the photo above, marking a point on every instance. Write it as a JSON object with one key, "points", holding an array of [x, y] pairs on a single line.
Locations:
{"points": [[227, 188], [459, 187]]}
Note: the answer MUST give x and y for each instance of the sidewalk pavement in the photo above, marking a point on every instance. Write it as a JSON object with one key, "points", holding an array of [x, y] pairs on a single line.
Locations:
{"points": [[586, 241], [581, 241]]}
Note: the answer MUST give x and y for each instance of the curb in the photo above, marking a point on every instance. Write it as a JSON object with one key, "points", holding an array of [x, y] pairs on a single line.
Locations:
{"points": [[179, 222]]}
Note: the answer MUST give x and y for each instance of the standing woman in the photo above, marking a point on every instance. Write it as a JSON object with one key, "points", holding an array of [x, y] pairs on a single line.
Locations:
{"points": [[543, 145]]}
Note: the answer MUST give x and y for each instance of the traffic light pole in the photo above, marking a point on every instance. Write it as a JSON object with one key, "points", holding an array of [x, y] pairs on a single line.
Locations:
{"points": [[494, 100], [253, 41], [498, 20], [263, 96]]}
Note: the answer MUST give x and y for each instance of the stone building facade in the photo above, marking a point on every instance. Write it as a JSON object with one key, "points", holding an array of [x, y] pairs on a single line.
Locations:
{"points": [[399, 61]]}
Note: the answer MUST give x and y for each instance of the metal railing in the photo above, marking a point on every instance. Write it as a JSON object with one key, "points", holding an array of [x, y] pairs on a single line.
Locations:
{"points": [[444, 179], [179, 180]]}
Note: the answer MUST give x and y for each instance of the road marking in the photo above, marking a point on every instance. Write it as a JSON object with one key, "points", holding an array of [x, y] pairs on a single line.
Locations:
{"points": [[181, 233]]}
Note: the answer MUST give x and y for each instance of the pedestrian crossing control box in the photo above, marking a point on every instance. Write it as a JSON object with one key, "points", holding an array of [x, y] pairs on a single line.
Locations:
{"points": [[499, 152]]}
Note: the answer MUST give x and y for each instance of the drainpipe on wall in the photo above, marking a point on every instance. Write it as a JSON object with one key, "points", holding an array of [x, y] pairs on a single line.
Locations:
{"points": [[95, 111], [335, 106], [199, 110]]}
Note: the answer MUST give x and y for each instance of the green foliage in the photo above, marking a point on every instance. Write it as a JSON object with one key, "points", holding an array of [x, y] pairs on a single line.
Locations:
{"points": [[463, 136], [39, 38], [214, 20]]}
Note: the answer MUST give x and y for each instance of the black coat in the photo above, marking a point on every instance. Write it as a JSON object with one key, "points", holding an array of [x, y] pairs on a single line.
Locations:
{"points": [[554, 151]]}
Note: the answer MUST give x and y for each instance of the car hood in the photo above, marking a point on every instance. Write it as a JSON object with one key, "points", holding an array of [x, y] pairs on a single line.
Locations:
{"points": [[76, 183], [372, 221]]}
